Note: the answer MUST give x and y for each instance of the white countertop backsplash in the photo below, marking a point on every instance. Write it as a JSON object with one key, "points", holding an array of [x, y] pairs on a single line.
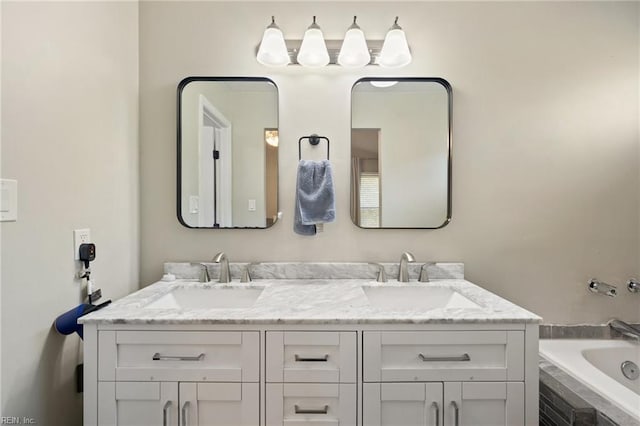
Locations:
{"points": [[292, 295]]}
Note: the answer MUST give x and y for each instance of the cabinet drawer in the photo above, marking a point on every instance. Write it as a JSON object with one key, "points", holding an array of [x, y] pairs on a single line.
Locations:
{"points": [[304, 404], [314, 356], [181, 355], [406, 356]]}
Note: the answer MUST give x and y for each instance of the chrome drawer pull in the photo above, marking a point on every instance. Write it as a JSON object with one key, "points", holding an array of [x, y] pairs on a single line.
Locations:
{"points": [[184, 413], [299, 410], [158, 357], [463, 357], [165, 409], [437, 407], [324, 358], [456, 414]]}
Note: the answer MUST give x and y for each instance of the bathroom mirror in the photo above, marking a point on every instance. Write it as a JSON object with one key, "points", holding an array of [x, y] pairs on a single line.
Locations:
{"points": [[401, 153], [227, 152]]}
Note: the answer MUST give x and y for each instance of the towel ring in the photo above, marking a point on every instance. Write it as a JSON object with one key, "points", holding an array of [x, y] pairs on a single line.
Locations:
{"points": [[313, 140]]}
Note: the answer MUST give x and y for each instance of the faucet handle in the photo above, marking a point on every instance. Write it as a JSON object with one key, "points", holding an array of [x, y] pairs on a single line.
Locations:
{"points": [[246, 274], [424, 276], [633, 285], [601, 287], [382, 275], [204, 274]]}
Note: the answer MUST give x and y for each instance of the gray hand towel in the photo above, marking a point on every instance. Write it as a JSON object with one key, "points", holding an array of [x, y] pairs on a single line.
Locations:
{"points": [[315, 199]]}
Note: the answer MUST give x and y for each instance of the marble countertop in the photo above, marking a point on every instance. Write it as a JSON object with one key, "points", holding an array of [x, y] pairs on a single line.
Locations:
{"points": [[310, 301]]}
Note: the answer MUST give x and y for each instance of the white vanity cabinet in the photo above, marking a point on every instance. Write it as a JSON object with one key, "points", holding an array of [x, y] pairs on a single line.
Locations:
{"points": [[470, 378], [172, 378], [311, 352]]}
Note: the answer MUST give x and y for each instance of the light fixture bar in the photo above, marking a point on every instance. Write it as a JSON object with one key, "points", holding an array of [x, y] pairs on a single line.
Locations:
{"points": [[333, 47]]}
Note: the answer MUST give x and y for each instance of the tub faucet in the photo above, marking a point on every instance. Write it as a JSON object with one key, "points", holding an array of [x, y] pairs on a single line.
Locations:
{"points": [[225, 274], [403, 270], [624, 328]]}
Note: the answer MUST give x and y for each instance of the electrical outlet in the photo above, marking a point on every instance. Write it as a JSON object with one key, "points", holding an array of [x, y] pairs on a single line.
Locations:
{"points": [[80, 236]]}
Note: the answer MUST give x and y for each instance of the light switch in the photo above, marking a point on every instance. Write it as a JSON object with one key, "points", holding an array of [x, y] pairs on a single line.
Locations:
{"points": [[8, 200], [194, 204], [252, 205]]}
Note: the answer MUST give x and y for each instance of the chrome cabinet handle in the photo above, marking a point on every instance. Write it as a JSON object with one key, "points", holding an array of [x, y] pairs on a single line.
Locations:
{"points": [[456, 414], [437, 407], [324, 358], [184, 413], [463, 357], [158, 357], [165, 410], [299, 410]]}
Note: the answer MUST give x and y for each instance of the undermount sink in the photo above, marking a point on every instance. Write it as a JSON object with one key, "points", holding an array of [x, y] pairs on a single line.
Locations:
{"points": [[416, 297], [207, 298]]}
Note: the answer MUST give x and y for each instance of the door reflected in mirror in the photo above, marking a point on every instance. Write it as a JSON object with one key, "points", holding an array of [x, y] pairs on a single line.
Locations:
{"points": [[401, 153], [227, 152]]}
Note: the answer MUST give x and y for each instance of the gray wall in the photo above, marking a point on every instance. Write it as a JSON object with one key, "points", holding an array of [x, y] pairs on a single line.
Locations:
{"points": [[545, 176], [70, 138]]}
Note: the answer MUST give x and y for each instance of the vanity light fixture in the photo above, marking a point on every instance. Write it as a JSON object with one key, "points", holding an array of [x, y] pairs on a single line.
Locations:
{"points": [[354, 52], [273, 50], [313, 51], [395, 50]]}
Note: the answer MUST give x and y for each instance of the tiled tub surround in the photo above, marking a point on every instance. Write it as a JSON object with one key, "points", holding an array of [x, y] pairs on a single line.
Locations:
{"points": [[567, 400], [585, 331], [372, 369]]}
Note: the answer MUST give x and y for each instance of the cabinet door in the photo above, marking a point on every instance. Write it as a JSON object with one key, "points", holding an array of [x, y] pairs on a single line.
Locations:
{"points": [[137, 403], [219, 404], [483, 403], [402, 404]]}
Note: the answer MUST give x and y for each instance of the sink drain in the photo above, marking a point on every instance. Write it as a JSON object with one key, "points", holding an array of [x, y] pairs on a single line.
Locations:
{"points": [[630, 370]]}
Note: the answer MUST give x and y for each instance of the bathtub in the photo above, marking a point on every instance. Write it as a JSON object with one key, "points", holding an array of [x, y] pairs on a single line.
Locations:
{"points": [[596, 363]]}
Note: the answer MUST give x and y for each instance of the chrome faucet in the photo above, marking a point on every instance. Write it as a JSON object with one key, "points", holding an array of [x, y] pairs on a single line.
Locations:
{"points": [[625, 329], [403, 270], [225, 274]]}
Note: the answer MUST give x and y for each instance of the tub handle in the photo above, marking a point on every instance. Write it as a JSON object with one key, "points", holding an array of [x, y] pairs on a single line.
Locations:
{"points": [[463, 357], [456, 414]]}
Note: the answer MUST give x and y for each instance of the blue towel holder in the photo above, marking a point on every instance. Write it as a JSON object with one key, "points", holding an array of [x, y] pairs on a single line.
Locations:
{"points": [[313, 140]]}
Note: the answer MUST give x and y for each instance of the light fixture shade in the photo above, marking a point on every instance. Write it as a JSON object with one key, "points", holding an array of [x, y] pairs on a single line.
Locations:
{"points": [[273, 50], [313, 51], [395, 49], [354, 52]]}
